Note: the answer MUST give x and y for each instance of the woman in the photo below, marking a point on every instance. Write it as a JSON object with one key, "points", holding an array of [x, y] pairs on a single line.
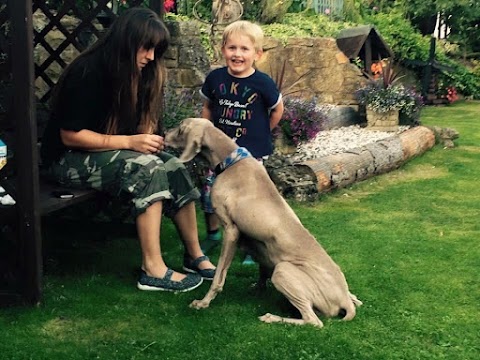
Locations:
{"points": [[101, 135]]}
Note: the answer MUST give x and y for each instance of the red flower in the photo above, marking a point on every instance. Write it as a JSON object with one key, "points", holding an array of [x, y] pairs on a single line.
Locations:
{"points": [[168, 5]]}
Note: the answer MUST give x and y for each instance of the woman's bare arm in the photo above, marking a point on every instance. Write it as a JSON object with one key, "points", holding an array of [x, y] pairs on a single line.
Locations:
{"points": [[93, 141]]}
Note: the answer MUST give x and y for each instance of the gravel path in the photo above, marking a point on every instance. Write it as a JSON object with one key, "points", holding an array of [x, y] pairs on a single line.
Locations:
{"points": [[340, 140]]}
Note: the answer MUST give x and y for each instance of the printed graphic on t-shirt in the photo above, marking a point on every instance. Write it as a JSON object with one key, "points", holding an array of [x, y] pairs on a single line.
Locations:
{"points": [[240, 107], [235, 112]]}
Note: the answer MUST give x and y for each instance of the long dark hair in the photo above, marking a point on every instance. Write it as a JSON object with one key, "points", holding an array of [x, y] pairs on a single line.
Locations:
{"points": [[137, 94]]}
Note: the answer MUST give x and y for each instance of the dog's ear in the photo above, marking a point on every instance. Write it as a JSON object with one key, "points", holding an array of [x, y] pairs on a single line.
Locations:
{"points": [[191, 150], [193, 145]]}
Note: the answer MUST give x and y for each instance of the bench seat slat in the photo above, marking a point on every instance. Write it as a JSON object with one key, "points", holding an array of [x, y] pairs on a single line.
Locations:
{"points": [[50, 203]]}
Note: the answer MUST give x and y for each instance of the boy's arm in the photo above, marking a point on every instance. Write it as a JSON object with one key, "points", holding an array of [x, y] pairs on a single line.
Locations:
{"points": [[207, 110], [276, 115]]}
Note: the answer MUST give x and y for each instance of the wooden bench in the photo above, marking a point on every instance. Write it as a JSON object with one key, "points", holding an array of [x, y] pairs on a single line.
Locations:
{"points": [[50, 203], [20, 261]]}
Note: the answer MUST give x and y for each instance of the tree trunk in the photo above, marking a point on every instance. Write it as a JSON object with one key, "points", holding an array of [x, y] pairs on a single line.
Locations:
{"points": [[274, 10], [340, 170], [225, 12]]}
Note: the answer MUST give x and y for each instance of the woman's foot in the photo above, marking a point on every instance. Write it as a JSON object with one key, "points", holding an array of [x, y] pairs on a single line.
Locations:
{"points": [[200, 265], [167, 282]]}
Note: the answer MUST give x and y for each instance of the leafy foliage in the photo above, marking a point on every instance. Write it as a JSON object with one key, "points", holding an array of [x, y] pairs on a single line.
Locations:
{"points": [[251, 8], [180, 104], [274, 11], [395, 97], [305, 25], [386, 93], [288, 89], [301, 120], [405, 41]]}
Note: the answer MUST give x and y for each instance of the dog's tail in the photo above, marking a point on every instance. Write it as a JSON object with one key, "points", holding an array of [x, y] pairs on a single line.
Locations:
{"points": [[349, 311], [347, 314]]}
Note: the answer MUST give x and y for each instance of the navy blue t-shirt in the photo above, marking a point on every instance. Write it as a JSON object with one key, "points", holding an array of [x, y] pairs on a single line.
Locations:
{"points": [[241, 107]]}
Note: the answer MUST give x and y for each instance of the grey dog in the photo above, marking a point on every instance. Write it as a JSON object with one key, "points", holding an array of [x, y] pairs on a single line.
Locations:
{"points": [[251, 209]]}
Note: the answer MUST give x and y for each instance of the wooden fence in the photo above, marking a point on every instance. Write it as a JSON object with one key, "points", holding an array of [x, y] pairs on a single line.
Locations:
{"points": [[328, 7]]}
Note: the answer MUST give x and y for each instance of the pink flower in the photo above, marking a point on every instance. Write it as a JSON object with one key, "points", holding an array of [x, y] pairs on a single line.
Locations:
{"points": [[168, 5], [327, 11]]}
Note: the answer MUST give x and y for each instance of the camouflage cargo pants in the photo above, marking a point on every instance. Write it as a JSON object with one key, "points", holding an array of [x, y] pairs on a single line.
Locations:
{"points": [[144, 178]]}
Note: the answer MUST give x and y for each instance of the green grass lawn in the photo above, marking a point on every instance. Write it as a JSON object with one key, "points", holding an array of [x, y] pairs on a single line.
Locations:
{"points": [[407, 241]]}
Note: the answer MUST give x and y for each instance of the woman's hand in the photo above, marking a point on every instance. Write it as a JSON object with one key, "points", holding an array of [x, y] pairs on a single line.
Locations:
{"points": [[146, 143]]}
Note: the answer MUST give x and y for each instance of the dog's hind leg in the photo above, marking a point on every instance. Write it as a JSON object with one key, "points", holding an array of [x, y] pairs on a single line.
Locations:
{"points": [[229, 246], [294, 284]]}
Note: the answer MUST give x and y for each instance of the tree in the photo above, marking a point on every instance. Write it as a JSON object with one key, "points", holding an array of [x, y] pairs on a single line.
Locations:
{"points": [[462, 17], [274, 11]]}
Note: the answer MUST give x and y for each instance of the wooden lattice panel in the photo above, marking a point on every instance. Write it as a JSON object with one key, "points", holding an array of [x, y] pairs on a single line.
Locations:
{"points": [[61, 33]]}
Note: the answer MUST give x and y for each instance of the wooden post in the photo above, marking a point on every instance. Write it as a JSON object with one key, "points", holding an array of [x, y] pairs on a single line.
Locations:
{"points": [[427, 72], [158, 7], [26, 153], [368, 54]]}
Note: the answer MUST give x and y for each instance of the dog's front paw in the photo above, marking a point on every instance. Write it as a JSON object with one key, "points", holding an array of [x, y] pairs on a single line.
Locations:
{"points": [[199, 304]]}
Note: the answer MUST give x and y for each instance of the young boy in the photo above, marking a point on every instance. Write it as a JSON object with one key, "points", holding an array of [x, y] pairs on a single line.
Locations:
{"points": [[241, 101]]}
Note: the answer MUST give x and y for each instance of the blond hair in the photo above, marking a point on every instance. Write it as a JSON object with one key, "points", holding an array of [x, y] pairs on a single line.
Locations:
{"points": [[247, 28]]}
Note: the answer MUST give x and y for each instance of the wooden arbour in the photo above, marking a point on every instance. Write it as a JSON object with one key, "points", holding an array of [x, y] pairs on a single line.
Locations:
{"points": [[20, 225]]}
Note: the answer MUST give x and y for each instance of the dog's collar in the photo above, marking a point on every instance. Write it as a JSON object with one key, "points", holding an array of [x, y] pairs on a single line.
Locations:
{"points": [[237, 155]]}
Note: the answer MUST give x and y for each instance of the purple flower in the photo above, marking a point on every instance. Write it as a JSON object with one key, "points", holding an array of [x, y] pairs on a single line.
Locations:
{"points": [[301, 120]]}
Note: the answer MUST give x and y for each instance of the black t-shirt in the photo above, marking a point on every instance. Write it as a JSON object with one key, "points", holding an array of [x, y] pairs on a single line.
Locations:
{"points": [[84, 103]]}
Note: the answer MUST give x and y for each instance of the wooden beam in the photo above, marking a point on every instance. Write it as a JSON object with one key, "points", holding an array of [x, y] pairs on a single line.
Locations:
{"points": [[26, 153], [368, 55], [158, 7]]}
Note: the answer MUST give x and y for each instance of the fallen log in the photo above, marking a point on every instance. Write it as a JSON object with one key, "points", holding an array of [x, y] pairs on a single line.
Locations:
{"points": [[340, 170]]}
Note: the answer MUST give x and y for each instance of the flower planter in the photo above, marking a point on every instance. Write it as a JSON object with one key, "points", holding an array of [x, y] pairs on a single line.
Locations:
{"points": [[386, 121], [282, 146]]}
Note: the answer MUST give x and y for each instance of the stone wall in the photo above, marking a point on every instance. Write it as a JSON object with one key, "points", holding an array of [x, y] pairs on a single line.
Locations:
{"points": [[186, 59], [331, 78]]}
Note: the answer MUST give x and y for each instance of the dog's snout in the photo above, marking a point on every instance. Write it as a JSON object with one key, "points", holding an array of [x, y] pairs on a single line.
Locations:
{"points": [[342, 313], [169, 137]]}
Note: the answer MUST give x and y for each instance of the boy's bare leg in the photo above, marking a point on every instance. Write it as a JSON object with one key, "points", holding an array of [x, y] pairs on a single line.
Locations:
{"points": [[213, 232]]}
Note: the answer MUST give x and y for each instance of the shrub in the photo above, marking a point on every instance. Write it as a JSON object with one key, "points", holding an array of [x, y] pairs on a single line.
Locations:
{"points": [[304, 25], [395, 97], [301, 121], [462, 79], [385, 93], [401, 36], [180, 104]]}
